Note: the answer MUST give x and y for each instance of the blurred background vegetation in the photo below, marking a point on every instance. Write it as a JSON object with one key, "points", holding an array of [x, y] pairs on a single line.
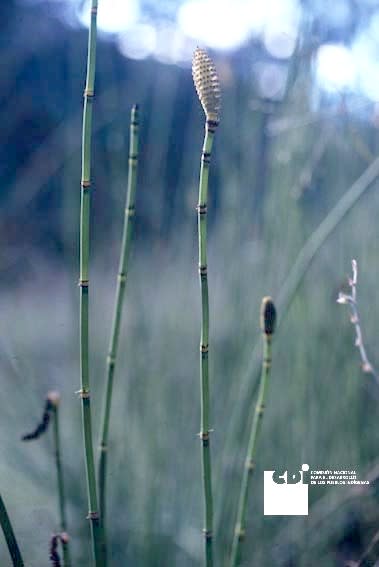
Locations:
{"points": [[299, 125]]}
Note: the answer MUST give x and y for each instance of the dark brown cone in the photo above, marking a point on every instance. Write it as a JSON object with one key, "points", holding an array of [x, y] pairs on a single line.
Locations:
{"points": [[268, 316]]}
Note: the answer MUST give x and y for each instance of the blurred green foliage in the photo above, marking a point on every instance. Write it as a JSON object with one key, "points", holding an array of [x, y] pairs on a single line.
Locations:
{"points": [[277, 169]]}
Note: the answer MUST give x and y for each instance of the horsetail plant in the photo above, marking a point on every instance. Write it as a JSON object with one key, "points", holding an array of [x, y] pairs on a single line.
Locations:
{"points": [[84, 392], [208, 89], [267, 322], [10, 538], [120, 293], [51, 414]]}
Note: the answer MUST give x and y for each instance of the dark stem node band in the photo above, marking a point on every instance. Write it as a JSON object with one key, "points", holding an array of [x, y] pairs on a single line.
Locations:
{"points": [[111, 360], [204, 435], [250, 465], [208, 534], [88, 94], [206, 158], [84, 394], [201, 209], [240, 533], [260, 410], [212, 125]]}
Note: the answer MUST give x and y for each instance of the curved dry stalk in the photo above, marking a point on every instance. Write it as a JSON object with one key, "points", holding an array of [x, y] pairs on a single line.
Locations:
{"points": [[351, 301]]}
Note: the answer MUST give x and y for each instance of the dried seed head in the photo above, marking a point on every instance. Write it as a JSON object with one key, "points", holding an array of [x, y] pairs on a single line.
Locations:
{"points": [[65, 538], [42, 425], [268, 316], [54, 555], [207, 84], [54, 398]]}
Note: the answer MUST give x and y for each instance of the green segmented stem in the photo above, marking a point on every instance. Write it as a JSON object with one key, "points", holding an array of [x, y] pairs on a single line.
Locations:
{"points": [[210, 127], [61, 491], [240, 527], [120, 292], [10, 538], [93, 514]]}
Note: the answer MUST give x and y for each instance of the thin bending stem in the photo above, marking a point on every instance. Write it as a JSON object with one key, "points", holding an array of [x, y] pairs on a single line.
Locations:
{"points": [[61, 491], [120, 292], [240, 527], [204, 342], [93, 514], [10, 538]]}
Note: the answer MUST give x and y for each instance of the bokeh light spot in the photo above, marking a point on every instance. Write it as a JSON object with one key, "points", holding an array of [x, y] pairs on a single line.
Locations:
{"points": [[113, 15], [138, 42], [335, 67]]}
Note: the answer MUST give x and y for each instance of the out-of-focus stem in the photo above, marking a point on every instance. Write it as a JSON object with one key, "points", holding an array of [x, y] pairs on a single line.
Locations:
{"points": [[10, 538], [61, 491]]}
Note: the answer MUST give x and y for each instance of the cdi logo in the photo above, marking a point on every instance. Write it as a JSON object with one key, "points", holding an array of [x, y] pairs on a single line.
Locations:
{"points": [[286, 493]]}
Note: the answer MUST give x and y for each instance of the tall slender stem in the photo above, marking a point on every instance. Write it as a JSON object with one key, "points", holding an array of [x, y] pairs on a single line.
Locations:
{"points": [[268, 325], [61, 491], [93, 514], [210, 127], [120, 292], [207, 86], [10, 538]]}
